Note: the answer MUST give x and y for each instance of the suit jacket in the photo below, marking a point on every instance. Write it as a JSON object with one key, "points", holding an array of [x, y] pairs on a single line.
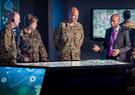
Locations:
{"points": [[122, 42]]}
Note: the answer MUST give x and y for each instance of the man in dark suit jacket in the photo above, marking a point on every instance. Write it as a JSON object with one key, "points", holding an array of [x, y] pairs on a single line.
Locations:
{"points": [[115, 46]]}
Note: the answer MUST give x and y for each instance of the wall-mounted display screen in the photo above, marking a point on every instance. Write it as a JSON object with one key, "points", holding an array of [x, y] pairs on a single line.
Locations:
{"points": [[101, 20]]}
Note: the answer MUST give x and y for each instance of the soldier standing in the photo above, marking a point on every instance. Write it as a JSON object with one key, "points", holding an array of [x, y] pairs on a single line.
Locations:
{"points": [[8, 52], [130, 25], [69, 36], [30, 45]]}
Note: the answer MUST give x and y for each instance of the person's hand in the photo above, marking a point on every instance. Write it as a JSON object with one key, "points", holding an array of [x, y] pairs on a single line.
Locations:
{"points": [[133, 55], [96, 48], [26, 59], [116, 52]]}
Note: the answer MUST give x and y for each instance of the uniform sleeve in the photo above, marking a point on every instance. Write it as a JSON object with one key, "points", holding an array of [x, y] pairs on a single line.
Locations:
{"points": [[42, 51], [56, 37], [79, 37], [10, 45], [20, 57]]}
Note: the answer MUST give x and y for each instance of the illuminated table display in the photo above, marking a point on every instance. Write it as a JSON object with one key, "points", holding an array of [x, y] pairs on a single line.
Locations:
{"points": [[107, 77], [21, 81], [76, 63]]}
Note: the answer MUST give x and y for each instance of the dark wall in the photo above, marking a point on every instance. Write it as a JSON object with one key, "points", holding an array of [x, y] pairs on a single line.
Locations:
{"points": [[25, 8], [41, 11], [57, 13]]}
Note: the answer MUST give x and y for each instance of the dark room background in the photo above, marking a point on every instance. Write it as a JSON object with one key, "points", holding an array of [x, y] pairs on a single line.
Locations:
{"points": [[58, 11], [52, 12]]}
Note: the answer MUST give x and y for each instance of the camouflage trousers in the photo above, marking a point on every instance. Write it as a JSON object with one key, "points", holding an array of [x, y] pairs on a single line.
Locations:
{"points": [[69, 56]]}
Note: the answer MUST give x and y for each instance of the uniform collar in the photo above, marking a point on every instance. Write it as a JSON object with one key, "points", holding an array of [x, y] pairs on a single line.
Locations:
{"points": [[32, 32], [9, 27]]}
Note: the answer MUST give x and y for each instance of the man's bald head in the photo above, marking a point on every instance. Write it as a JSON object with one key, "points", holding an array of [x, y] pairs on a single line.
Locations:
{"points": [[74, 13], [74, 10], [116, 15], [115, 20], [14, 19]]}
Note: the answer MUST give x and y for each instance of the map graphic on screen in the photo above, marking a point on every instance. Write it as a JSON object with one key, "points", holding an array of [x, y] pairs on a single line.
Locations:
{"points": [[101, 20], [21, 81]]}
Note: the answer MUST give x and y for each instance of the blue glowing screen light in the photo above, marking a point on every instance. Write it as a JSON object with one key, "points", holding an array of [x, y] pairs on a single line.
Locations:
{"points": [[21, 81], [6, 7]]}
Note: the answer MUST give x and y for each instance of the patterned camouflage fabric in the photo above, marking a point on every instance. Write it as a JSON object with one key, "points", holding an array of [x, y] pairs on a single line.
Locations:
{"points": [[68, 40], [31, 47], [8, 51], [133, 55]]}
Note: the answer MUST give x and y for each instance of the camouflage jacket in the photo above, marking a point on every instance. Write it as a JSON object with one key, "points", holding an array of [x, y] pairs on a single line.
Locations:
{"points": [[131, 26], [68, 40], [30, 46], [8, 52], [128, 24]]}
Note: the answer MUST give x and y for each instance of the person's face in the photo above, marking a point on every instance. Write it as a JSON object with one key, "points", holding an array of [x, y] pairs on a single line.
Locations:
{"points": [[16, 19], [115, 21], [33, 25], [74, 16]]}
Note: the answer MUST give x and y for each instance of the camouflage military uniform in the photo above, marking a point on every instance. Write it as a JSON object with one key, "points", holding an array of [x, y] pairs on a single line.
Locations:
{"points": [[30, 46], [8, 51], [131, 27], [68, 40]]}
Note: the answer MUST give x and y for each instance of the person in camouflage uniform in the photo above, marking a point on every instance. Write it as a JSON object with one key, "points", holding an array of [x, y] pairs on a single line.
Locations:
{"points": [[131, 54], [69, 36], [30, 45], [130, 25], [8, 52]]}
